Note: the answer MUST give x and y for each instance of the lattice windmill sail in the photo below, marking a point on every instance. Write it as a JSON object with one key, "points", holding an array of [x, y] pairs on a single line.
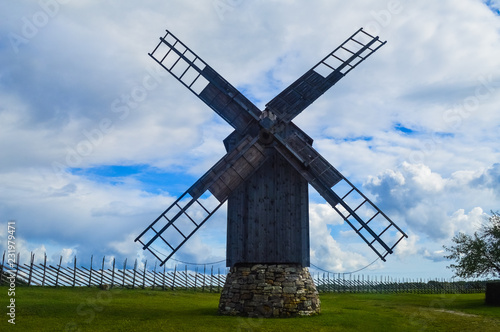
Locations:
{"points": [[268, 166]]}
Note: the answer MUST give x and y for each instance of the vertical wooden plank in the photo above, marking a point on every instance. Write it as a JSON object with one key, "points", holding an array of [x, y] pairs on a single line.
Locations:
{"points": [[288, 187], [154, 276], [124, 270], [211, 278], [270, 248], [144, 275], [32, 258], [218, 280], [1, 269], [113, 273], [204, 277], [195, 276], [74, 272], [44, 268], [17, 266], [90, 272], [58, 270], [173, 282], [164, 267], [134, 273], [102, 270]]}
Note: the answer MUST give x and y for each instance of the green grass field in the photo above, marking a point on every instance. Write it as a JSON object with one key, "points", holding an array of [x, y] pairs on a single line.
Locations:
{"points": [[91, 309]]}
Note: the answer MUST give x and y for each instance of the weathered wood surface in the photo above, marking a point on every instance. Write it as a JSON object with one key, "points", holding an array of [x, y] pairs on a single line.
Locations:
{"points": [[268, 217]]}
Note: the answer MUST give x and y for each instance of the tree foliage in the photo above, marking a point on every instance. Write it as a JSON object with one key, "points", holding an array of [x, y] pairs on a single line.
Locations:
{"points": [[477, 255]]}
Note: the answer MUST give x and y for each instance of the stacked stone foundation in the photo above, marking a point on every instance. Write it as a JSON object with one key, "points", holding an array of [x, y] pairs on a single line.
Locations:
{"points": [[266, 290]]}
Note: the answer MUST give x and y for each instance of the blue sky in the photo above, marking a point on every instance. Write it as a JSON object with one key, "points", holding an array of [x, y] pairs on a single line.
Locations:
{"points": [[97, 140]]}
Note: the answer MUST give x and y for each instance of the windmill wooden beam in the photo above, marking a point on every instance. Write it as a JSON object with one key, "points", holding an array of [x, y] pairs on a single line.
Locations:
{"points": [[264, 177]]}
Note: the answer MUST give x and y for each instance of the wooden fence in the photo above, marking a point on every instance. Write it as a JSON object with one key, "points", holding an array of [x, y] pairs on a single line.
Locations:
{"points": [[339, 283], [48, 275], [206, 279]]}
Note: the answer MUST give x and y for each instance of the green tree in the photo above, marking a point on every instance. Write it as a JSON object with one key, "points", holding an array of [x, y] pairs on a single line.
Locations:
{"points": [[477, 255]]}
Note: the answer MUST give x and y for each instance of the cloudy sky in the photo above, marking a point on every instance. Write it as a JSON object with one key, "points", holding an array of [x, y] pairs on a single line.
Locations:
{"points": [[96, 139]]}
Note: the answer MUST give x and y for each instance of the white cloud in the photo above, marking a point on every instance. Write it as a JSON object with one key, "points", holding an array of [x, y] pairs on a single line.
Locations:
{"points": [[326, 252], [408, 247], [436, 256], [489, 179], [467, 223], [428, 202], [66, 256]]}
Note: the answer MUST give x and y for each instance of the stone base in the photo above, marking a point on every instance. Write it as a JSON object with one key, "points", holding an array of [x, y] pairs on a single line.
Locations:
{"points": [[263, 290]]}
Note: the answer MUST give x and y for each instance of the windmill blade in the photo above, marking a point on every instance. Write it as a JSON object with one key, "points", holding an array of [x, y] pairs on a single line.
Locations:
{"points": [[305, 90], [189, 69], [365, 218], [193, 208]]}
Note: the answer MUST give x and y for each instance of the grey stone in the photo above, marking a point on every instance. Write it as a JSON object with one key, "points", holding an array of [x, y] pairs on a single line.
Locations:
{"points": [[290, 290], [284, 290]]}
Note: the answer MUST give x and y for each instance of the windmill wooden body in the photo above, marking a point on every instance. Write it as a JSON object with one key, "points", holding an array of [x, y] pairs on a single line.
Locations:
{"points": [[268, 217], [265, 175]]}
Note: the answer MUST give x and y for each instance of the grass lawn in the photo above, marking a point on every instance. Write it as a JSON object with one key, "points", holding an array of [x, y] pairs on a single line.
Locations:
{"points": [[91, 309]]}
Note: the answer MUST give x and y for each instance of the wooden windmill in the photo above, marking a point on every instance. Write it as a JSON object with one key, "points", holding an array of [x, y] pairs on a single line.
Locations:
{"points": [[269, 163]]}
